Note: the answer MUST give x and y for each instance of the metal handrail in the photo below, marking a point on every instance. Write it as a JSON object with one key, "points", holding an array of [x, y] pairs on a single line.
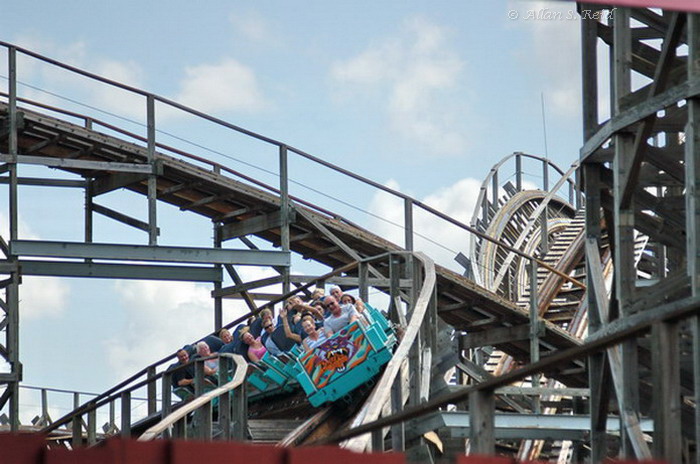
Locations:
{"points": [[235, 382], [279, 144], [114, 392]]}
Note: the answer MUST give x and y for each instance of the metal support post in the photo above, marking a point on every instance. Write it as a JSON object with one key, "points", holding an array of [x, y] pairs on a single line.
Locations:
{"points": [[518, 171], [284, 211]]}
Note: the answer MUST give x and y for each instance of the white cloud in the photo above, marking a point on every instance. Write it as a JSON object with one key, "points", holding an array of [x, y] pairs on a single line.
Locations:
{"points": [[42, 297], [252, 26], [436, 237], [163, 316], [39, 297], [225, 86], [553, 56], [413, 75]]}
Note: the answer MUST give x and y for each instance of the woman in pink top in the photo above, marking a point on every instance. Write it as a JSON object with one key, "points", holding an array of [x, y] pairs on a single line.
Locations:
{"points": [[256, 350]]}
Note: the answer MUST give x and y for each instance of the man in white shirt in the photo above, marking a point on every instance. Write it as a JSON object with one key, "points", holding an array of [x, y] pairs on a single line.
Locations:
{"points": [[341, 315]]}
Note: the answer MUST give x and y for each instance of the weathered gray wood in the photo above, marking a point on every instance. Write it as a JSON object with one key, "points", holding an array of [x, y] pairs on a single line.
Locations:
{"points": [[498, 335], [255, 224], [237, 380], [379, 396], [121, 217], [239, 288], [482, 422], [65, 163], [668, 436], [114, 181]]}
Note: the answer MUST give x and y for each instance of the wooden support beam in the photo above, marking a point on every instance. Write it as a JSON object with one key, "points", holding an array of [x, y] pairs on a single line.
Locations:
{"points": [[663, 67], [178, 187], [88, 150], [121, 217], [65, 163], [337, 241], [205, 201], [668, 437], [111, 182], [498, 336], [254, 225], [238, 281], [43, 144], [243, 287]]}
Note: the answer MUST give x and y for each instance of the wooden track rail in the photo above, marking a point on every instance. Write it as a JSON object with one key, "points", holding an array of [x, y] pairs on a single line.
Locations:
{"points": [[247, 209]]}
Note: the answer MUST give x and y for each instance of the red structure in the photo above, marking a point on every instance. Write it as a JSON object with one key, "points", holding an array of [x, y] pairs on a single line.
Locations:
{"points": [[32, 449]]}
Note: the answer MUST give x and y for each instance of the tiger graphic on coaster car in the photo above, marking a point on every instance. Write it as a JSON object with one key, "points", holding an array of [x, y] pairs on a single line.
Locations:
{"points": [[335, 353]]}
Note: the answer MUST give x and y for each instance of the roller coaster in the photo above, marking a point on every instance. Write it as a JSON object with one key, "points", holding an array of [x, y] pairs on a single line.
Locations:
{"points": [[486, 353]]}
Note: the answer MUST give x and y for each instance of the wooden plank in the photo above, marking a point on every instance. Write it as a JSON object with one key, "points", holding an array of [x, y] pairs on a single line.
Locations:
{"points": [[243, 287], [253, 225], [111, 182], [123, 218], [497, 336]]}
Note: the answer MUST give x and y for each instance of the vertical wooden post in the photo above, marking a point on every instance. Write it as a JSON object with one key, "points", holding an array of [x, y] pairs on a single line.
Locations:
{"points": [[482, 404], [284, 210], [12, 290], [92, 427], [126, 414], [668, 436], [203, 414], [240, 413], [166, 397], [76, 425], [153, 176], [625, 272], [398, 443], [218, 300], [151, 390], [692, 181], [225, 399], [534, 330]]}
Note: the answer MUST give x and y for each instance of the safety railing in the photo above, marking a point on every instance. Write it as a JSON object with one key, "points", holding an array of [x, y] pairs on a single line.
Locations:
{"points": [[147, 377], [411, 206], [481, 396]]}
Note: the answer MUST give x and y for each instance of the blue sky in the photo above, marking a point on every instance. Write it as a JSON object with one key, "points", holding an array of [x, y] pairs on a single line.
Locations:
{"points": [[422, 96]]}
